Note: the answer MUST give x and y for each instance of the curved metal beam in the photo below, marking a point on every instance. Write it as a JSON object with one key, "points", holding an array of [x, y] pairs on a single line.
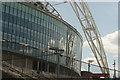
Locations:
{"points": [[46, 6], [91, 33]]}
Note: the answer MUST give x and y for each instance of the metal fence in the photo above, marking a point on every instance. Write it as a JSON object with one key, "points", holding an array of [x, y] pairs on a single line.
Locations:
{"points": [[96, 69]]}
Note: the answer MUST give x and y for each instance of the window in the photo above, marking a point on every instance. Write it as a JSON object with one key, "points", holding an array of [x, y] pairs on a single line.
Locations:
{"points": [[11, 18], [15, 20], [39, 21], [26, 15], [16, 5], [23, 8], [13, 38], [44, 17], [26, 23], [5, 35], [15, 11], [7, 9], [7, 3], [27, 9], [22, 22], [35, 19], [19, 6], [39, 14], [22, 14], [18, 20], [30, 17], [42, 22], [3, 8], [19, 13], [33, 12], [30, 10], [9, 36], [12, 4], [11, 10], [21, 39]]}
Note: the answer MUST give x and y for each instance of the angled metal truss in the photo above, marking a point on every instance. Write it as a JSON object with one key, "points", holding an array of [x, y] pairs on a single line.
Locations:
{"points": [[91, 33], [46, 6]]}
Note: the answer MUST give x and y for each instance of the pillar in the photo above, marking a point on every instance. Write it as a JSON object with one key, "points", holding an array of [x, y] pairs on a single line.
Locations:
{"points": [[26, 62], [12, 61], [41, 65], [48, 67], [38, 65]]}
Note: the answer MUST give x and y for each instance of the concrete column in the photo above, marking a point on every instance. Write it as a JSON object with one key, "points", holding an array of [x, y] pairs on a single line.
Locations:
{"points": [[56, 69], [12, 61], [48, 67], [26, 62], [41, 65], [38, 63]]}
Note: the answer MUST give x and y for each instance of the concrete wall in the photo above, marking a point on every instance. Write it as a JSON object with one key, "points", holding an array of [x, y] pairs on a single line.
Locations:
{"points": [[17, 60], [26, 64], [6, 56]]}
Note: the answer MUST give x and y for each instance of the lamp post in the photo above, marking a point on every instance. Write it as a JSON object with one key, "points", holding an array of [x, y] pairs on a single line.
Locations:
{"points": [[57, 52], [114, 76], [89, 61]]}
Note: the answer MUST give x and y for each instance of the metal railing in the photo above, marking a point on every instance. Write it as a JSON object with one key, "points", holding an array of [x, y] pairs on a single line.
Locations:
{"points": [[50, 76]]}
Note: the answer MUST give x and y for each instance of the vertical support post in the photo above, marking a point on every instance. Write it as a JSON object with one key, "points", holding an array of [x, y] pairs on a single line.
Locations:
{"points": [[23, 47], [58, 59], [12, 60], [41, 65], [38, 65], [89, 67], [114, 76], [72, 62], [58, 65], [48, 67], [80, 62], [89, 61], [26, 62]]}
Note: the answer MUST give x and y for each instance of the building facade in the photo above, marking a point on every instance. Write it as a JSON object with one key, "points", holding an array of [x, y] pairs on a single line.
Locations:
{"points": [[27, 34]]}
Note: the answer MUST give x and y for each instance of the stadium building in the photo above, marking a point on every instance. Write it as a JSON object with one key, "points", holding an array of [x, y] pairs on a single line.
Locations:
{"points": [[30, 30]]}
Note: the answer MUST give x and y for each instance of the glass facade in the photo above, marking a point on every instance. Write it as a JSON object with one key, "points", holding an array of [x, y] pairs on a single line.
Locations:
{"points": [[40, 31]]}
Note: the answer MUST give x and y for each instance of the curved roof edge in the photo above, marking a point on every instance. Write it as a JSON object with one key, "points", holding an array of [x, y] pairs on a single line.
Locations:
{"points": [[32, 5]]}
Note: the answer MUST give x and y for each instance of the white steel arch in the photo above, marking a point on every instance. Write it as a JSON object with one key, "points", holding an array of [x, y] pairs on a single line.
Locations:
{"points": [[91, 33]]}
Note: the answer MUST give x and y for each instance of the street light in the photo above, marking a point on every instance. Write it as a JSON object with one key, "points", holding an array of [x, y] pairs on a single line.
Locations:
{"points": [[57, 52], [114, 76], [89, 61]]}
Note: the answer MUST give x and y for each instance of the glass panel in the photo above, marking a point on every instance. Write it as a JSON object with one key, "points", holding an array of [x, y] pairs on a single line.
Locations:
{"points": [[16, 5], [12, 4], [7, 9], [19, 6]]}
